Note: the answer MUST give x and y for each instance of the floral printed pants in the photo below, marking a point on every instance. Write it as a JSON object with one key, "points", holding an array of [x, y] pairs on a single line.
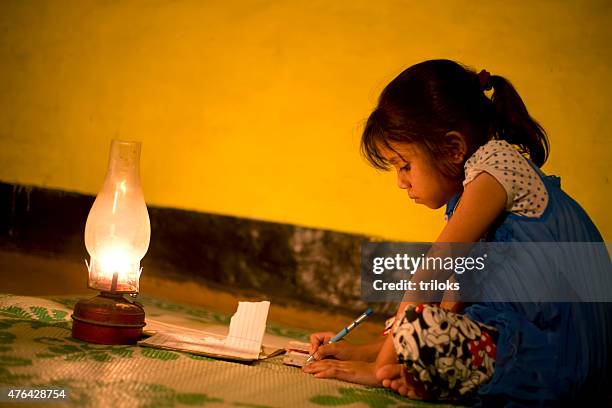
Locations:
{"points": [[447, 354]]}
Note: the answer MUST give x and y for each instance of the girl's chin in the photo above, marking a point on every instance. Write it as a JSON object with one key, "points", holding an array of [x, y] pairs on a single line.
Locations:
{"points": [[427, 204]]}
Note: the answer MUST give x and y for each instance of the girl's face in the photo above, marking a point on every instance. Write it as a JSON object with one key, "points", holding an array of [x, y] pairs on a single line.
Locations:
{"points": [[417, 175]]}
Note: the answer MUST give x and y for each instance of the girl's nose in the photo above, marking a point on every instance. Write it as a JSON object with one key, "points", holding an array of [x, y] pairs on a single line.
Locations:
{"points": [[402, 182]]}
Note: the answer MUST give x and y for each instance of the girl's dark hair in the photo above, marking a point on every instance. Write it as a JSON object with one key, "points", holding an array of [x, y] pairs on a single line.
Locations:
{"points": [[428, 100]]}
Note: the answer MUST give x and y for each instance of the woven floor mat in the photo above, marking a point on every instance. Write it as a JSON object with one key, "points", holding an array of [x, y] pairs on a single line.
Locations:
{"points": [[37, 350]]}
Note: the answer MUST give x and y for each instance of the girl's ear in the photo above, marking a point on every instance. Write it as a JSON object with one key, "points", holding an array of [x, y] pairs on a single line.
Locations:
{"points": [[457, 146]]}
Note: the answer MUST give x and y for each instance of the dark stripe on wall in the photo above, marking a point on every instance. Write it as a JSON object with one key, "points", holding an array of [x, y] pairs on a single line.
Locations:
{"points": [[312, 265]]}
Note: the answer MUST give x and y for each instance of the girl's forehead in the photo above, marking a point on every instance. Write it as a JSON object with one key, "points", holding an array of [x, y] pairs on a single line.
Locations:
{"points": [[396, 150]]}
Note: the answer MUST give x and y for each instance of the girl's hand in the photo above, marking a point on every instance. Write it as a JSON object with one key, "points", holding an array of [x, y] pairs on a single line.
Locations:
{"points": [[359, 372], [342, 350], [318, 339]]}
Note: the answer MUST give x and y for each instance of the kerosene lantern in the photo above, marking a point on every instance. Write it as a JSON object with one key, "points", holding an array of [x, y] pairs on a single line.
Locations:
{"points": [[117, 235]]}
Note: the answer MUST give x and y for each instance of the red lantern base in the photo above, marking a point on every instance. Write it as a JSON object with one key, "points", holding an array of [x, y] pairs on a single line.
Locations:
{"points": [[108, 319]]}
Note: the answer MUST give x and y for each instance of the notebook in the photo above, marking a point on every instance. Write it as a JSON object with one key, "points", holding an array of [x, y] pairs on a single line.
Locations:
{"points": [[296, 354], [244, 341]]}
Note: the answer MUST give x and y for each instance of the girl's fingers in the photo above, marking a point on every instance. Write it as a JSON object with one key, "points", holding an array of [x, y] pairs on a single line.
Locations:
{"points": [[326, 351], [336, 370], [319, 366], [322, 368], [316, 339], [314, 342], [352, 371], [314, 367], [331, 372]]}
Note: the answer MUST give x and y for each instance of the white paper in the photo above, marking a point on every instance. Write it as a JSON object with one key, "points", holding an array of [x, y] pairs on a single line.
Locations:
{"points": [[156, 326], [248, 326], [243, 342]]}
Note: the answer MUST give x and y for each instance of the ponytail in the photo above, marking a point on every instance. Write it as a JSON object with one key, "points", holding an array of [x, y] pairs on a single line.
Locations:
{"points": [[512, 123]]}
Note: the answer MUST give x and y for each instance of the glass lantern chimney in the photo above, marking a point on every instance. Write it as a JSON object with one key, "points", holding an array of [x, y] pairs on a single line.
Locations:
{"points": [[118, 229]]}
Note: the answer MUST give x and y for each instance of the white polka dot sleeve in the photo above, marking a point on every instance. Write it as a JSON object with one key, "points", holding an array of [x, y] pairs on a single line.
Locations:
{"points": [[525, 191]]}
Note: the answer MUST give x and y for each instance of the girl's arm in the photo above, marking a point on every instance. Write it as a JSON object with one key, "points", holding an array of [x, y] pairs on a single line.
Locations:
{"points": [[483, 200]]}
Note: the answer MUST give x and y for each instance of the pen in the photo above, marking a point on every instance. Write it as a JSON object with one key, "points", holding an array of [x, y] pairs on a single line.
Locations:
{"points": [[345, 331]]}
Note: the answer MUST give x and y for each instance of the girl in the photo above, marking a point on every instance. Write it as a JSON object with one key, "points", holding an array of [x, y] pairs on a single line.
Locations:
{"points": [[453, 145]]}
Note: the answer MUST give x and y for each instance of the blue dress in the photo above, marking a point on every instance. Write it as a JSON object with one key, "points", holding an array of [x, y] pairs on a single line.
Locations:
{"points": [[546, 352]]}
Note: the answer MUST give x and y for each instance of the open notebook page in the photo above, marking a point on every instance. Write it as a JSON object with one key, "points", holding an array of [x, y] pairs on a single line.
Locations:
{"points": [[243, 342]]}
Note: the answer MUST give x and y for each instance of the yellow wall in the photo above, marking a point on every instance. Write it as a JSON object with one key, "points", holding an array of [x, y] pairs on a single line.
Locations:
{"points": [[254, 108]]}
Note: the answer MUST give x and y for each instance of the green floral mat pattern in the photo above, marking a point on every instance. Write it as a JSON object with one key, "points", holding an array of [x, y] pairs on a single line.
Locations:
{"points": [[37, 350]]}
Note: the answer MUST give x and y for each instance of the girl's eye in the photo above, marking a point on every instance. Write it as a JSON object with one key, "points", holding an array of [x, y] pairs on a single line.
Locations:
{"points": [[406, 167]]}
